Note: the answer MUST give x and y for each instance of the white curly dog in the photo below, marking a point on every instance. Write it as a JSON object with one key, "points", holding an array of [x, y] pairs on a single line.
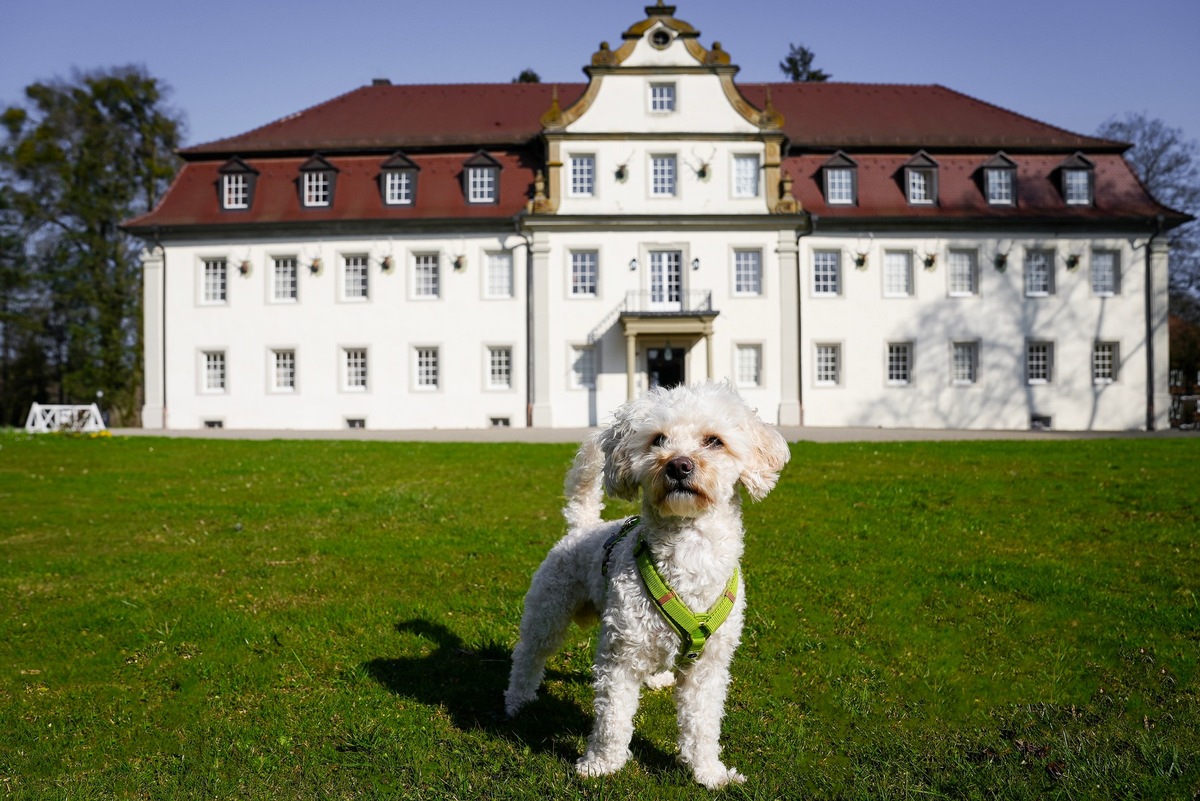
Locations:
{"points": [[686, 449]]}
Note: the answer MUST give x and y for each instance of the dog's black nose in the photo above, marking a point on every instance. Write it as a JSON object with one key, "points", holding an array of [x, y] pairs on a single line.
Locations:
{"points": [[680, 468]]}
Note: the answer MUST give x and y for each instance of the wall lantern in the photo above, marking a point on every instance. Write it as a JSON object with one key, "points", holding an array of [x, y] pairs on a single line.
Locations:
{"points": [[696, 264], [632, 265]]}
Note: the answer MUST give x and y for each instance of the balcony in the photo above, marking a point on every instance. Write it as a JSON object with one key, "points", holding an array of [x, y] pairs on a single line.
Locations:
{"points": [[682, 313]]}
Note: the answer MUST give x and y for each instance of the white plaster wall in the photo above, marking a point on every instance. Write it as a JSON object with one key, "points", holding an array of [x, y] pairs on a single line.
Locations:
{"points": [[713, 194], [622, 104], [1000, 318], [461, 323], [747, 320]]}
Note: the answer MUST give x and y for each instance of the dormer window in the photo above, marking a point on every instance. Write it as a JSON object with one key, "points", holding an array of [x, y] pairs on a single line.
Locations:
{"points": [[662, 98], [920, 180], [1078, 176], [841, 180], [317, 180], [1000, 181], [481, 179], [237, 185], [398, 181]]}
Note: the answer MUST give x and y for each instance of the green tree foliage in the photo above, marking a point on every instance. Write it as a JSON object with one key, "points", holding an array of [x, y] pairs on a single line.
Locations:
{"points": [[797, 67], [527, 76], [1169, 166], [79, 158]]}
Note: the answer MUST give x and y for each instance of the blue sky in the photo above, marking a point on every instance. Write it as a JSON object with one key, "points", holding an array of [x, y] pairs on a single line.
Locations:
{"points": [[236, 64]]}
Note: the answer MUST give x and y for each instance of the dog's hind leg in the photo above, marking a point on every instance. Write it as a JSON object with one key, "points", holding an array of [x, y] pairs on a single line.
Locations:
{"points": [[550, 605]]}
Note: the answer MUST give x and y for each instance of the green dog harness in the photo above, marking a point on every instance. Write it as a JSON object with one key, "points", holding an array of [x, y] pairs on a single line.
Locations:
{"points": [[693, 629]]}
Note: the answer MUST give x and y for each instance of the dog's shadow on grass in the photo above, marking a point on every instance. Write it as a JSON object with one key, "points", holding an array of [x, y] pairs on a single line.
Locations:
{"points": [[469, 684]]}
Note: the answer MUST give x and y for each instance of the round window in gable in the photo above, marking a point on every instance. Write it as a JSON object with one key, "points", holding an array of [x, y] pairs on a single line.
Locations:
{"points": [[660, 38]]}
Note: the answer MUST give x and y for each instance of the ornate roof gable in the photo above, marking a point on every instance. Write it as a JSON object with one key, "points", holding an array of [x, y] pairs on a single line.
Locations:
{"points": [[660, 46]]}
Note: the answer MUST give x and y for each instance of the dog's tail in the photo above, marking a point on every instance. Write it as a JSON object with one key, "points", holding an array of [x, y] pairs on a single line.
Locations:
{"points": [[584, 488]]}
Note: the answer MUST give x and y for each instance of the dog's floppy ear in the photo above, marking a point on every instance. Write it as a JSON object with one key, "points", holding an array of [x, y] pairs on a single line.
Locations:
{"points": [[619, 478], [767, 455]]}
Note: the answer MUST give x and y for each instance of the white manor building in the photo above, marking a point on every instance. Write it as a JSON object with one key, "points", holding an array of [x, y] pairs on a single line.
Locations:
{"points": [[465, 256]]}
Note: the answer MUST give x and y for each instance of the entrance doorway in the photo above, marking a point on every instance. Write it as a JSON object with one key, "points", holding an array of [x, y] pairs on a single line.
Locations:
{"points": [[664, 366]]}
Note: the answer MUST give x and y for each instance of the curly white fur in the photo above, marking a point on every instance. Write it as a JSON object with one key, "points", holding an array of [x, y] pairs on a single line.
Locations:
{"points": [[685, 450]]}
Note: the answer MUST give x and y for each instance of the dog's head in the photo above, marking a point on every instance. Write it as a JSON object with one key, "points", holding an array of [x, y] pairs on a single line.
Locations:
{"points": [[688, 448]]}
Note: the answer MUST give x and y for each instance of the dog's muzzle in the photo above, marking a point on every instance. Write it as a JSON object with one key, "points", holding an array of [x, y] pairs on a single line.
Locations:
{"points": [[680, 470]]}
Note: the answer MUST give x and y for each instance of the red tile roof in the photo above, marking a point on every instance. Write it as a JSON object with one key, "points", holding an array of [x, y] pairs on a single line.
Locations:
{"points": [[816, 115], [193, 198], [1118, 194], [441, 126], [863, 115], [386, 117]]}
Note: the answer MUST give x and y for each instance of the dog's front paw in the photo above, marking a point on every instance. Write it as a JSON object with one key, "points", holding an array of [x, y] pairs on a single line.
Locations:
{"points": [[718, 776], [592, 765]]}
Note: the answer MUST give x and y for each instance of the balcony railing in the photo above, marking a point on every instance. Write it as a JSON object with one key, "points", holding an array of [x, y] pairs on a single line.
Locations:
{"points": [[650, 303], [645, 302]]}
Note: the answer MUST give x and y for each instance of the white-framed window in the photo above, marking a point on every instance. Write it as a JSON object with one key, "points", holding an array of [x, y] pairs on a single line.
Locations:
{"points": [[1077, 187], [827, 273], [283, 370], [285, 283], [962, 269], [498, 269], [1104, 362], [1106, 273], [1039, 273], [583, 367], [964, 363], [899, 364], [828, 365], [920, 186], [316, 188], [897, 274], [747, 272], [398, 187], [662, 176], [839, 186], [428, 368], [236, 190], [215, 281], [500, 367], [1001, 182], [662, 97], [745, 176], [214, 371], [583, 175], [427, 275], [354, 369], [1039, 362], [355, 277], [747, 367], [585, 273], [481, 184]]}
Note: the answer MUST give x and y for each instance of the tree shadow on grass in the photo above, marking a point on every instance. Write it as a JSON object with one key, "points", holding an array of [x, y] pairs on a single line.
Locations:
{"points": [[469, 684]]}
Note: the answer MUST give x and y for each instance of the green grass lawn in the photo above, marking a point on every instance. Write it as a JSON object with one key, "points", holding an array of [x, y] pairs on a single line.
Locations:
{"points": [[332, 620]]}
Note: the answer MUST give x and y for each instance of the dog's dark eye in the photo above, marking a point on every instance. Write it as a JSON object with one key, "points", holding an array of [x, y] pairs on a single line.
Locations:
{"points": [[659, 441], [713, 442]]}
